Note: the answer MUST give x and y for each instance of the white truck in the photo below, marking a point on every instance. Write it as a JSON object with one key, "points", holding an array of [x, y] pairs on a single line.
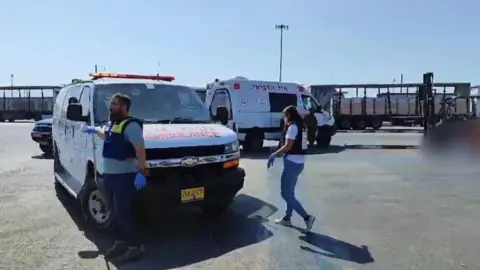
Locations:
{"points": [[255, 109]]}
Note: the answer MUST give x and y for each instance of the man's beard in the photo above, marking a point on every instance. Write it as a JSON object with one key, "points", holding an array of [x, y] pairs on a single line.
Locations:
{"points": [[116, 116]]}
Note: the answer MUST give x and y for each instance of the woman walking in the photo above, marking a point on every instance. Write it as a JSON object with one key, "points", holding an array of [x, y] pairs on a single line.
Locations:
{"points": [[293, 148]]}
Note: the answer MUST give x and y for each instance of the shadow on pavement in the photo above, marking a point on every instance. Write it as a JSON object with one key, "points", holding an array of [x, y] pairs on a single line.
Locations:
{"points": [[43, 156], [335, 248], [185, 237], [312, 150]]}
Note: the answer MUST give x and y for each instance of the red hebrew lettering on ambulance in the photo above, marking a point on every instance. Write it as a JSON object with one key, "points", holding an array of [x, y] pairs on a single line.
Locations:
{"points": [[163, 133], [264, 87]]}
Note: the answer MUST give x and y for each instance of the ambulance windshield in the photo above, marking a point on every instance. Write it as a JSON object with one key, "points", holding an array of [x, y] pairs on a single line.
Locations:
{"points": [[153, 102]]}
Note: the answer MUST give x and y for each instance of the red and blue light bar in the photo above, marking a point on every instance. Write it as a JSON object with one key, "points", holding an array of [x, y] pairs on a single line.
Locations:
{"points": [[100, 75]]}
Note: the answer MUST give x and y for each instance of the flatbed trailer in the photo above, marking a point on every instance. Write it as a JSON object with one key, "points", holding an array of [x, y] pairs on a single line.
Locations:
{"points": [[398, 104], [26, 102]]}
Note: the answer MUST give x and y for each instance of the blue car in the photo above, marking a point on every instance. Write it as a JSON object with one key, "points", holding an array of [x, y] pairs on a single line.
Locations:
{"points": [[42, 134]]}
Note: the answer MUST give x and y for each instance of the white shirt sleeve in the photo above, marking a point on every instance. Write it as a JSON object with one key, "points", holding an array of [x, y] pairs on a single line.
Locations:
{"points": [[292, 132]]}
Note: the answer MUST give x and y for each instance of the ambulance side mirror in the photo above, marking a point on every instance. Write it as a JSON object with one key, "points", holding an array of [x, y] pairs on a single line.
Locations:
{"points": [[222, 115], [74, 112]]}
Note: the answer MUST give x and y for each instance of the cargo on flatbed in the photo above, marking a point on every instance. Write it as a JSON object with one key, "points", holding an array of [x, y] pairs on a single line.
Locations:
{"points": [[361, 106]]}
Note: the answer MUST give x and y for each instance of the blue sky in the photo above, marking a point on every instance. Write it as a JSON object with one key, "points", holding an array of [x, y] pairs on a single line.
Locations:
{"points": [[343, 41]]}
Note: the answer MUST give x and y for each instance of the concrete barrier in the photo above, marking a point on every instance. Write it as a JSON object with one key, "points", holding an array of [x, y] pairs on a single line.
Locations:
{"points": [[384, 146], [396, 130]]}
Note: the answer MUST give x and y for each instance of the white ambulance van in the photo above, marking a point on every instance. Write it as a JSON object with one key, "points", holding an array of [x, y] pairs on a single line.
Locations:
{"points": [[190, 160], [255, 109]]}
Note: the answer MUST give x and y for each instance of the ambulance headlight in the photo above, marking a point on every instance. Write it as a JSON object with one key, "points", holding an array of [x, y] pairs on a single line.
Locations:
{"points": [[232, 147]]}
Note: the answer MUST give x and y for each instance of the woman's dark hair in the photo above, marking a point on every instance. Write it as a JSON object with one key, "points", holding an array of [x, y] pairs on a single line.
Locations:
{"points": [[292, 115]]}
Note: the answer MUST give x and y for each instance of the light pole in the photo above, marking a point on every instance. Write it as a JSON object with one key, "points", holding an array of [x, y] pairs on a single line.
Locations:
{"points": [[281, 27]]}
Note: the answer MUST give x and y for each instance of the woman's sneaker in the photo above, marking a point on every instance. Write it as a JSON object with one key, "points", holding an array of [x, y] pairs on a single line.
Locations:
{"points": [[309, 220], [284, 222]]}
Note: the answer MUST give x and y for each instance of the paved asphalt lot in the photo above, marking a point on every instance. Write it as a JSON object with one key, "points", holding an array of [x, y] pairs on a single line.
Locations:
{"points": [[377, 209]]}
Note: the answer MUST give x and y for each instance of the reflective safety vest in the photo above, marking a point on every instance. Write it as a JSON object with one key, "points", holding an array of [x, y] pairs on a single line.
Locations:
{"points": [[115, 145], [300, 144]]}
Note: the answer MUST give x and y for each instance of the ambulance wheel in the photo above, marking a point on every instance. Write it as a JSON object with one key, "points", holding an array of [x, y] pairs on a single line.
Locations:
{"points": [[253, 140], [95, 207], [324, 137]]}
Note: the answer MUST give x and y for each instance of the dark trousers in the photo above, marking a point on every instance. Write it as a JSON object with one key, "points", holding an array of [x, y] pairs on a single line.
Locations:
{"points": [[120, 192]]}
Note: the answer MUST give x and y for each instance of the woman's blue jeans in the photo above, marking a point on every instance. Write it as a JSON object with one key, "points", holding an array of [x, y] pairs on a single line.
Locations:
{"points": [[291, 171]]}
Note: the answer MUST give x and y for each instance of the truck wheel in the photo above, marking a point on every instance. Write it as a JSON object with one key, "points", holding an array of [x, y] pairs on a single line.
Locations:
{"points": [[95, 207], [360, 125], [376, 124], [345, 124], [214, 210], [46, 149], [253, 140], [324, 137]]}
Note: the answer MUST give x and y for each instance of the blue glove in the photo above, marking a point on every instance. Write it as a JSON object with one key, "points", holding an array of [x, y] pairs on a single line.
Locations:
{"points": [[140, 181], [88, 129], [271, 160]]}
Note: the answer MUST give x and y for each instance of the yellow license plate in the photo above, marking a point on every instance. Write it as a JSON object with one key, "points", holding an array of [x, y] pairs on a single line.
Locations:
{"points": [[192, 194]]}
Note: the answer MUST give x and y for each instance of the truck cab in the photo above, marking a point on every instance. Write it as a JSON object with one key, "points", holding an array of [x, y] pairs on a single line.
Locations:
{"points": [[255, 109], [190, 160]]}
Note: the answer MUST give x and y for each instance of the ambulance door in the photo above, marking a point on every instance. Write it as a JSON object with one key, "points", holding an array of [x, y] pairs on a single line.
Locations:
{"points": [[278, 102], [221, 98]]}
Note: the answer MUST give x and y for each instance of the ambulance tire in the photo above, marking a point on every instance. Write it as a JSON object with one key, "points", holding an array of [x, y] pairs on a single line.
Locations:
{"points": [[253, 141], [324, 137], [94, 206]]}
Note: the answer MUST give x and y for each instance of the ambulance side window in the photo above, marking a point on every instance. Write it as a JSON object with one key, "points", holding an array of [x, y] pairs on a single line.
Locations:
{"points": [[279, 101], [309, 103], [221, 98], [59, 100], [85, 101], [72, 95]]}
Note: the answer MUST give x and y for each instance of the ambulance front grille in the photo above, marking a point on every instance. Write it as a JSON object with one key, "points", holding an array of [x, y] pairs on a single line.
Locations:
{"points": [[180, 152]]}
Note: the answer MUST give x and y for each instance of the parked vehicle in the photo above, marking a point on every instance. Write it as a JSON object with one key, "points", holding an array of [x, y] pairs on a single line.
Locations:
{"points": [[361, 106], [190, 160], [255, 109], [42, 134]]}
